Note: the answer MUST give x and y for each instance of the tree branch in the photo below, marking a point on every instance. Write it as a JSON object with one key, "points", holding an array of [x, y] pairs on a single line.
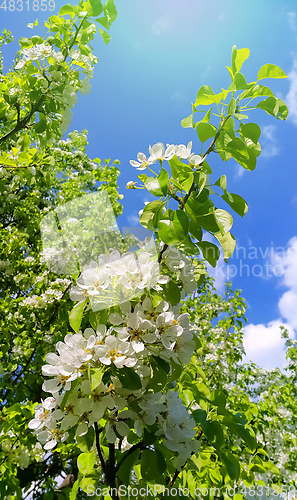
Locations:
{"points": [[141, 445], [97, 432]]}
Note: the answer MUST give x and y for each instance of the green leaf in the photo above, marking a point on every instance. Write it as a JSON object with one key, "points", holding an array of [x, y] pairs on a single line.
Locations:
{"points": [[205, 131], [89, 482], [270, 71], [187, 122], [222, 183], [199, 416], [242, 432], [214, 433], [153, 186], [232, 106], [218, 398], [270, 105], [153, 465], [231, 463], [238, 57], [176, 370], [241, 153], [210, 252], [230, 72], [86, 462], [224, 220], [206, 117], [195, 230], [106, 36], [96, 8], [124, 472], [157, 185], [240, 83], [76, 315], [227, 242], [162, 363], [222, 142], [174, 230], [282, 110], [237, 203], [186, 182], [129, 378], [178, 167], [159, 377], [151, 213], [202, 94], [66, 9], [85, 442], [110, 10], [250, 130], [40, 126], [74, 490], [172, 292], [96, 377]]}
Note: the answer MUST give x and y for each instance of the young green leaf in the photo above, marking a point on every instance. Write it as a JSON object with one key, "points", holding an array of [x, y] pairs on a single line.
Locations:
{"points": [[270, 71], [76, 315]]}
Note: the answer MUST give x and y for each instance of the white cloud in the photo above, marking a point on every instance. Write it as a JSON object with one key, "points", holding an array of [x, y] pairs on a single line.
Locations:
{"points": [[133, 219], [264, 345], [287, 306], [218, 273], [161, 25], [291, 98], [269, 143], [292, 20], [286, 259], [178, 96], [239, 171], [286, 263]]}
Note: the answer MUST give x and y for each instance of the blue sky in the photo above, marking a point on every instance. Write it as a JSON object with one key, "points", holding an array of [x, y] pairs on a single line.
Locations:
{"points": [[160, 53]]}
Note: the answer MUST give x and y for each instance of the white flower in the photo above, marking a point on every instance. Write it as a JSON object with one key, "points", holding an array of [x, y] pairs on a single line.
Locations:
{"points": [[85, 86], [157, 152], [138, 331], [183, 151], [114, 423], [130, 185], [184, 347], [142, 162], [115, 351], [195, 160], [50, 438], [43, 414]]}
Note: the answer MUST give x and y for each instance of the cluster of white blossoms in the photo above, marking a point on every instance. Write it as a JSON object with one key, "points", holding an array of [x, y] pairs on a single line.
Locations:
{"points": [[18, 453], [57, 78], [117, 278], [158, 152], [176, 262], [134, 335], [40, 52], [52, 294]]}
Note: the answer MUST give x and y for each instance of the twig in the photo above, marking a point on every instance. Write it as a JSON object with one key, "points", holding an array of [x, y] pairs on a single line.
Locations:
{"points": [[97, 432], [141, 445]]}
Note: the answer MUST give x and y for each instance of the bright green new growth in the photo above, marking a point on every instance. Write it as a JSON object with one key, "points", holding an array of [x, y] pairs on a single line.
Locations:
{"points": [[239, 446], [188, 184]]}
